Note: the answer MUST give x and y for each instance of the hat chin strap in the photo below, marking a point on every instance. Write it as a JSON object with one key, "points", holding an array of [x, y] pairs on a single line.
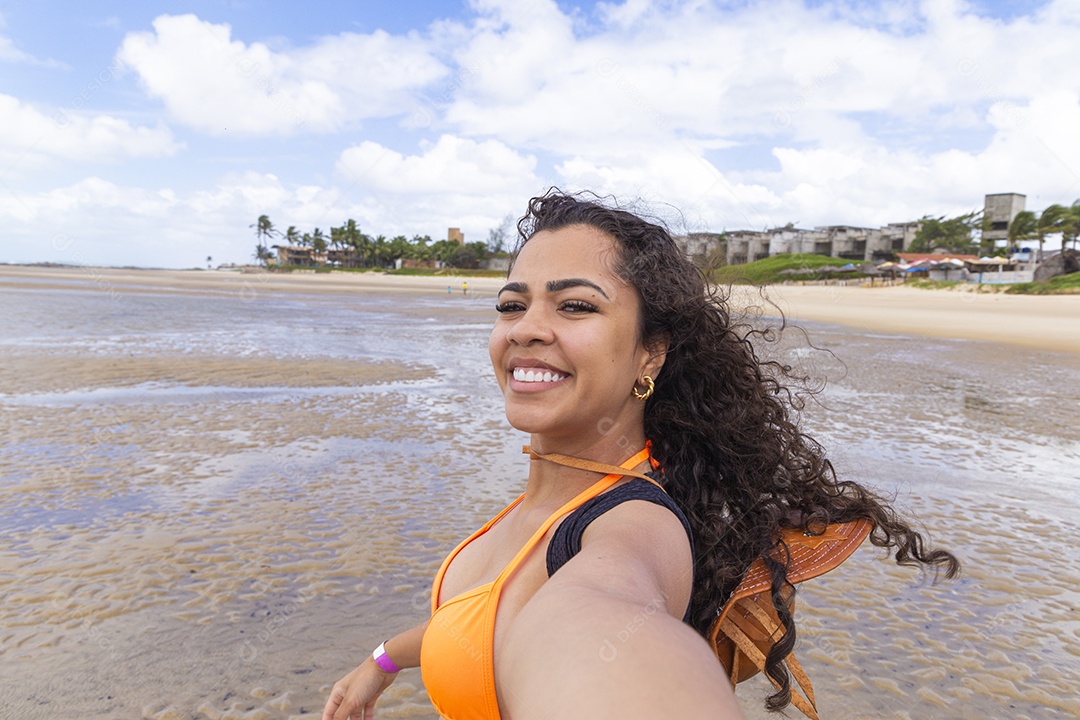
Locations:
{"points": [[597, 467]]}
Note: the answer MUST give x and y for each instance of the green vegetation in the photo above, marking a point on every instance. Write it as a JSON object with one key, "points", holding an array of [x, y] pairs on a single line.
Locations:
{"points": [[350, 249], [448, 272], [324, 268], [925, 284], [956, 235], [423, 271], [762, 272], [953, 235], [1061, 285], [264, 231]]}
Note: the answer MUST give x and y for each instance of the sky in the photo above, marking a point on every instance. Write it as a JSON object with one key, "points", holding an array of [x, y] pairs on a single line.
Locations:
{"points": [[154, 134]]}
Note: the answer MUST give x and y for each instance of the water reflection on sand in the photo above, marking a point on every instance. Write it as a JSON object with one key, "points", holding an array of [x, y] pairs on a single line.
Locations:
{"points": [[213, 507]]}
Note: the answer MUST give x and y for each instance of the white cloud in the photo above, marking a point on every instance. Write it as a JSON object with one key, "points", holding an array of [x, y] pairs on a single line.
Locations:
{"points": [[741, 115], [860, 104], [1032, 152], [680, 187], [32, 138], [96, 221], [219, 85], [11, 54], [450, 166], [697, 71], [453, 182]]}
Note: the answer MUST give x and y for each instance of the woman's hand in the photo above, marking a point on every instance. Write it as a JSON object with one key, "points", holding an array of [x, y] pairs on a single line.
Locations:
{"points": [[354, 695]]}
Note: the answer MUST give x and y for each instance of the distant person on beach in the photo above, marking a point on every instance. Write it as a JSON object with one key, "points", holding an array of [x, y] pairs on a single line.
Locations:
{"points": [[465, 287], [665, 460]]}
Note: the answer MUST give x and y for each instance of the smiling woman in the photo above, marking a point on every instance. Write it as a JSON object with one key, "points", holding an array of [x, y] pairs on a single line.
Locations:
{"points": [[592, 597]]}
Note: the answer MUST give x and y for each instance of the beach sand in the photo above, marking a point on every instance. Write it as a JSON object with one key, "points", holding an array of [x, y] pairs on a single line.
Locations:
{"points": [[1046, 322], [221, 490]]}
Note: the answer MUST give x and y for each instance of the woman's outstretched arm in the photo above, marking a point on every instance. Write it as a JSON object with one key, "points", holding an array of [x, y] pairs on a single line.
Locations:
{"points": [[355, 694], [603, 638]]}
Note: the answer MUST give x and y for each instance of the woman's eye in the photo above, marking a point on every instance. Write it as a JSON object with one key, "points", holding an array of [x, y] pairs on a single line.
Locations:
{"points": [[507, 307], [578, 306]]}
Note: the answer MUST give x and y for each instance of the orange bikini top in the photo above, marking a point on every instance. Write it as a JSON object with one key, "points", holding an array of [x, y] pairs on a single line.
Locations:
{"points": [[457, 655]]}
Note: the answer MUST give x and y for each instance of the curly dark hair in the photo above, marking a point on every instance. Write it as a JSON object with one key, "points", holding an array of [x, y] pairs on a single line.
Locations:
{"points": [[723, 425]]}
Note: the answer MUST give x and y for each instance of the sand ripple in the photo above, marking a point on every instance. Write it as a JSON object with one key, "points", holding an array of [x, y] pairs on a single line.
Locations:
{"points": [[205, 535]]}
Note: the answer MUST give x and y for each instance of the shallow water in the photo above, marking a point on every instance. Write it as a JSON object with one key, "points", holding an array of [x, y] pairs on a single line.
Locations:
{"points": [[213, 506]]}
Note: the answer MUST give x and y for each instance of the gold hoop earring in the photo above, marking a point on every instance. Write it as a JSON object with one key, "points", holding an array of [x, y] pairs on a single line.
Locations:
{"points": [[648, 392]]}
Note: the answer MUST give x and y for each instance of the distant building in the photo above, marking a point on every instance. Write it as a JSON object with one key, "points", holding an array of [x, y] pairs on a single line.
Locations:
{"points": [[296, 256], [999, 210], [893, 240], [701, 247], [846, 242], [455, 235], [796, 241], [745, 246], [411, 263]]}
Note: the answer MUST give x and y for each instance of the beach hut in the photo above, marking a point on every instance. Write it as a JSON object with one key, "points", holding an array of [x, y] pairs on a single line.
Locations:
{"points": [[919, 268], [941, 269]]}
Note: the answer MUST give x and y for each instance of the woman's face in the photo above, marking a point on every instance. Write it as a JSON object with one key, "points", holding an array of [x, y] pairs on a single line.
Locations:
{"points": [[565, 346]]}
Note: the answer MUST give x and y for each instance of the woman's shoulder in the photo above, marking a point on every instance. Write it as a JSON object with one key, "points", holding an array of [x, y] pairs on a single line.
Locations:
{"points": [[618, 505], [634, 523]]}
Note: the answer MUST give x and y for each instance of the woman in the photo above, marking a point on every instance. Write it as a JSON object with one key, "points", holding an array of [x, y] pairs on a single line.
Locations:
{"points": [[589, 597]]}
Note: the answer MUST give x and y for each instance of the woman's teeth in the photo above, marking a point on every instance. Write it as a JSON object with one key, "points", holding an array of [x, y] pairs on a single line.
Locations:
{"points": [[523, 375]]}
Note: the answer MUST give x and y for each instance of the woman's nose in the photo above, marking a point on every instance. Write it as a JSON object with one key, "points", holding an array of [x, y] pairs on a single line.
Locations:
{"points": [[533, 326]]}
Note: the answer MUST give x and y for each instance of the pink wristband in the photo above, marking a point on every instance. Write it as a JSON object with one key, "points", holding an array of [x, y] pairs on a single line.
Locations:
{"points": [[383, 660]]}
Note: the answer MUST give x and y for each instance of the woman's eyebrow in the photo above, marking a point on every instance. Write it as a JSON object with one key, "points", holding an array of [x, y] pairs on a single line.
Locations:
{"points": [[554, 286], [515, 287]]}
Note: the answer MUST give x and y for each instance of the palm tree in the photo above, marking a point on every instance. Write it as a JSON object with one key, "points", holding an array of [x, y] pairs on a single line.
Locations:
{"points": [[1022, 227], [380, 251], [263, 254], [1071, 225], [264, 229], [355, 239], [1052, 220], [292, 236]]}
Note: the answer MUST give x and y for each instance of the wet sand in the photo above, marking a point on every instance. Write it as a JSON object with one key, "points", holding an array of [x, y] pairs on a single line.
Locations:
{"points": [[1042, 322], [248, 285], [214, 503]]}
